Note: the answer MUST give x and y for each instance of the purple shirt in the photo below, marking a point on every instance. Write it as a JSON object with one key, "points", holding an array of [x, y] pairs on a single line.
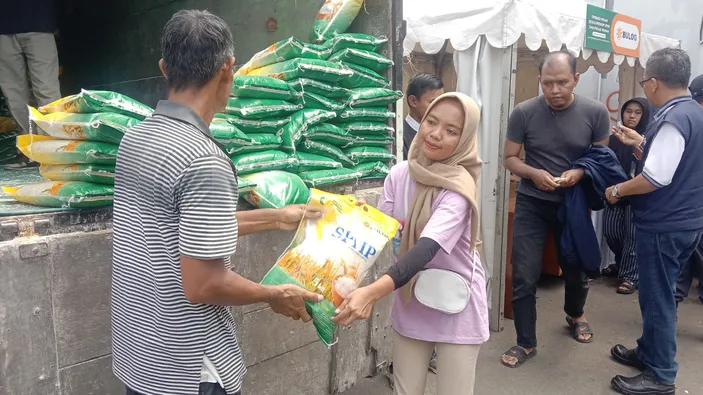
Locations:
{"points": [[450, 227]]}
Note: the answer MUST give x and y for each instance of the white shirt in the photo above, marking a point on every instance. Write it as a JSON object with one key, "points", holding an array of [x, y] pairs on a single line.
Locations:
{"points": [[413, 123], [664, 156]]}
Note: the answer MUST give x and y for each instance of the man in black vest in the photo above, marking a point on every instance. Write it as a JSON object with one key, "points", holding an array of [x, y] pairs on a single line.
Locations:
{"points": [[422, 89], [667, 213]]}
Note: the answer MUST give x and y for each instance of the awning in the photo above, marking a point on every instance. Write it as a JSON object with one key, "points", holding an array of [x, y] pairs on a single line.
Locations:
{"points": [[503, 22]]}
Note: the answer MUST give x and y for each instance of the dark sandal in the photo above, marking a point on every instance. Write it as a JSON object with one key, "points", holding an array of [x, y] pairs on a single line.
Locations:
{"points": [[610, 271], [580, 328], [626, 288], [519, 353]]}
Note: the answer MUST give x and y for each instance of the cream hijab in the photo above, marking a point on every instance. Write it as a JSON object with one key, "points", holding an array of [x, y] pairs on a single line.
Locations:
{"points": [[459, 173]]}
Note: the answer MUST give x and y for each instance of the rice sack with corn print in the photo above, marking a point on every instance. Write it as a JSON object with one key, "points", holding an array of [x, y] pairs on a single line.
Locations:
{"points": [[332, 255]]}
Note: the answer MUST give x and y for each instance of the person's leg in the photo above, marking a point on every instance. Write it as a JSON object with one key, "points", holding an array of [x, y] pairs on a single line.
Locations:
{"points": [[683, 283], [529, 235], [576, 284], [697, 268], [212, 389], [43, 65], [613, 233], [410, 359], [628, 270], [13, 79], [661, 257], [456, 368]]}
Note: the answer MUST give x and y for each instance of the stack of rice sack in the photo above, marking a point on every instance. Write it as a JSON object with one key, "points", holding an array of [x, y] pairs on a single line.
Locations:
{"points": [[79, 153], [330, 109]]}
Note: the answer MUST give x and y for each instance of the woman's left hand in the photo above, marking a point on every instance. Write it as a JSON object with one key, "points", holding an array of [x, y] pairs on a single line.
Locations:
{"points": [[357, 306]]}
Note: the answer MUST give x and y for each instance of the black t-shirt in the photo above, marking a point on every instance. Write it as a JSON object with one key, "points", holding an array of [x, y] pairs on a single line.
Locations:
{"points": [[29, 16], [553, 139]]}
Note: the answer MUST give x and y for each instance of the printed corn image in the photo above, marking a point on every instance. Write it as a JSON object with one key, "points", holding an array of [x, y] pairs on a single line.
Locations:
{"points": [[332, 255]]}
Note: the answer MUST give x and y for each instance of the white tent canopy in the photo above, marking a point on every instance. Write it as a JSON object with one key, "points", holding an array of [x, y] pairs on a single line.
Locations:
{"points": [[502, 22]]}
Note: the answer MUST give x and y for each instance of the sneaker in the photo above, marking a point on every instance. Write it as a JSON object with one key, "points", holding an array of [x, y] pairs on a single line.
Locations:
{"points": [[20, 162], [389, 376], [433, 363]]}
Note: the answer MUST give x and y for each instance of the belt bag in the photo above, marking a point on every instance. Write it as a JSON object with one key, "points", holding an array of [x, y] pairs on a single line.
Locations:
{"points": [[439, 289]]}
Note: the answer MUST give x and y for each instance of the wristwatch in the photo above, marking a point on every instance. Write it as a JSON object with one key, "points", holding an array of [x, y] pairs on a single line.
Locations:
{"points": [[615, 192]]}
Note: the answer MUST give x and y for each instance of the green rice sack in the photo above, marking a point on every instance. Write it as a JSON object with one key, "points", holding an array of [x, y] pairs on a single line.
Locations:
{"points": [[365, 114], [372, 170], [360, 155], [330, 134], [371, 141], [276, 189], [262, 87], [108, 127], [318, 178], [292, 132], [362, 77], [310, 162], [373, 97], [287, 49], [263, 161], [258, 143], [362, 128], [88, 102], [50, 151], [260, 108], [328, 150], [224, 131], [99, 174], [357, 41], [244, 186], [368, 59], [334, 17], [320, 70], [312, 100], [254, 126], [319, 88], [60, 194]]}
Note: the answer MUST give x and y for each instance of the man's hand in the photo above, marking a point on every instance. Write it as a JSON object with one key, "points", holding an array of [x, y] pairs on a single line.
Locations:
{"points": [[627, 136], [290, 216], [544, 180], [609, 195], [289, 300], [570, 178]]}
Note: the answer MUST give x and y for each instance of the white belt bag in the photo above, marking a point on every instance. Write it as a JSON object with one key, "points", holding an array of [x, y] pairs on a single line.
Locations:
{"points": [[439, 289]]}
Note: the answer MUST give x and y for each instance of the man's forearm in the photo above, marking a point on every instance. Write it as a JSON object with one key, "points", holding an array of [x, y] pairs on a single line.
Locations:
{"points": [[637, 186], [234, 290], [518, 167], [252, 221]]}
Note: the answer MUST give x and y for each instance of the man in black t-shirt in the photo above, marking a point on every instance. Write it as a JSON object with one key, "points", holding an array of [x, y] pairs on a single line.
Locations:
{"points": [[555, 130]]}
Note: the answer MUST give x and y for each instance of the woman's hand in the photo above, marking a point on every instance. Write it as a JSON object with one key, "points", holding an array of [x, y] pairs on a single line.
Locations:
{"points": [[359, 304], [627, 136]]}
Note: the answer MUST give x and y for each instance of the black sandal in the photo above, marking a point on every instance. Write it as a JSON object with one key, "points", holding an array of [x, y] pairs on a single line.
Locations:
{"points": [[626, 288], [610, 271], [519, 353], [578, 329]]}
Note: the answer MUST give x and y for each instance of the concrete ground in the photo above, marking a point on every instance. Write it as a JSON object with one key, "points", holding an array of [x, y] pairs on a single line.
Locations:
{"points": [[564, 366]]}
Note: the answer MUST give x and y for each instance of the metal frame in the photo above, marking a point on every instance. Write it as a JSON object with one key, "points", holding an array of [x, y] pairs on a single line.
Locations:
{"points": [[503, 192]]}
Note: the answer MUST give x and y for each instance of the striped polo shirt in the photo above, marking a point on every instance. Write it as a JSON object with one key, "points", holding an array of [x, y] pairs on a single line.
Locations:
{"points": [[175, 195]]}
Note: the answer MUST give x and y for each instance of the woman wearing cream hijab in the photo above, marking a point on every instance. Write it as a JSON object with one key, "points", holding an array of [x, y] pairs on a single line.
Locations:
{"points": [[440, 299]]}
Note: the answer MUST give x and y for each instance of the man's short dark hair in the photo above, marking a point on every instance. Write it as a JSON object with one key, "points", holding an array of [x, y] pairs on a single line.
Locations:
{"points": [[564, 55], [671, 66], [194, 45], [422, 83]]}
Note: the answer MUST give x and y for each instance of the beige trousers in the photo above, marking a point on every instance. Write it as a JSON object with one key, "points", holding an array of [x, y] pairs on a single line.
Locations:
{"points": [[36, 53], [456, 366]]}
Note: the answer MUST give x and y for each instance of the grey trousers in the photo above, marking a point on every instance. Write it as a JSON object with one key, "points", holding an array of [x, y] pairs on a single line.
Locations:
{"points": [[36, 53]]}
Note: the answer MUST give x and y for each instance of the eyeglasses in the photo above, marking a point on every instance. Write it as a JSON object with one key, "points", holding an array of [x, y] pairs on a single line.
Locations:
{"points": [[645, 81]]}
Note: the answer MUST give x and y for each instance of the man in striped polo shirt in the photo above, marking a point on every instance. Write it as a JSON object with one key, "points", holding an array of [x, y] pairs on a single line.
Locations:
{"points": [[176, 226]]}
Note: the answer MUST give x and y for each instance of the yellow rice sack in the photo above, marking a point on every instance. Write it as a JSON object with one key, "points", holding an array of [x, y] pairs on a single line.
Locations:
{"points": [[51, 151], [332, 255]]}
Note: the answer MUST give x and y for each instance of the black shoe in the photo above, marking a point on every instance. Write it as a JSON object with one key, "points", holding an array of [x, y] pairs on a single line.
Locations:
{"points": [[20, 162], [644, 384], [627, 357]]}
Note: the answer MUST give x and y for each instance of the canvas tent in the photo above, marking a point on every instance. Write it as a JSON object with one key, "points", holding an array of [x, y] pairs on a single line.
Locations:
{"points": [[485, 36]]}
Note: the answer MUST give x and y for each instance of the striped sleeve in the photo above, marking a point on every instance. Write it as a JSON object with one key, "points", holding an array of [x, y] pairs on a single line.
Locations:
{"points": [[206, 199]]}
